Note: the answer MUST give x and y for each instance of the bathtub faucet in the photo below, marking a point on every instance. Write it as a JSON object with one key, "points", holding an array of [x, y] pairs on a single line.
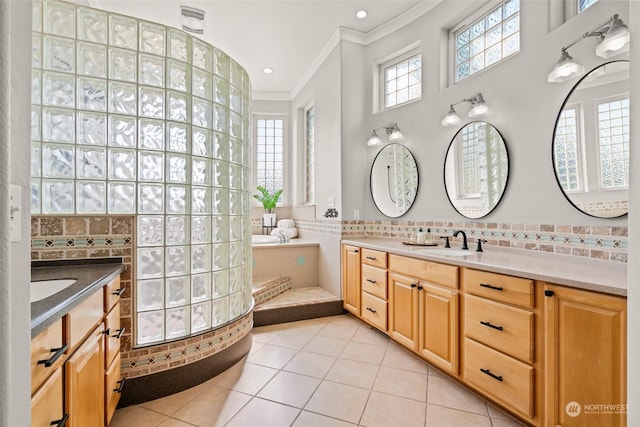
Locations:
{"points": [[282, 236]]}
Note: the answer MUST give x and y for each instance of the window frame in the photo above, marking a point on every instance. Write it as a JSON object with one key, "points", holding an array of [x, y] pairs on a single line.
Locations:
{"points": [[597, 147], [307, 199], [284, 198], [581, 151], [392, 60]]}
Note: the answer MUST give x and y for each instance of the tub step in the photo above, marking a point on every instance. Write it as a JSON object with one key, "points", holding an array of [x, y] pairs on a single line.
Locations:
{"points": [[297, 304], [265, 289]]}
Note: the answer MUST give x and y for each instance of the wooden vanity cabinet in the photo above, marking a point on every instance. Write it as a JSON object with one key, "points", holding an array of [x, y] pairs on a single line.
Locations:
{"points": [[351, 279], [374, 288]]}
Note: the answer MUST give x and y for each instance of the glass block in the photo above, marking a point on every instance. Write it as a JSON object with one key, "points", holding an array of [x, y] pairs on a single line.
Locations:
{"points": [[150, 294], [57, 196], [177, 322], [176, 168], [176, 199], [221, 63], [59, 54], [150, 230], [493, 54], [235, 126], [151, 70], [236, 100], [92, 25], [151, 135], [201, 84], [221, 283], [36, 87], [202, 112], [34, 197], [247, 300], [150, 166], [176, 232], [178, 137], [91, 197], [511, 44], [220, 313], [200, 200], [58, 161], [200, 316], [122, 131], [92, 94], [177, 291], [152, 102], [121, 198], [219, 201], [177, 107], [122, 65], [220, 90], [152, 38], [220, 174], [150, 198], [201, 141], [150, 327], [36, 15], [91, 163], [177, 260], [200, 258], [122, 165], [511, 7], [123, 32], [36, 51], [235, 228], [220, 120], [220, 257], [200, 287], [59, 18], [92, 60], [235, 176], [36, 159], [236, 305], [235, 202], [235, 254], [150, 263], [477, 63], [236, 74], [200, 171], [477, 46], [202, 56], [122, 98], [235, 280], [200, 229], [58, 89], [177, 74], [220, 146], [246, 84], [178, 45], [220, 229]]}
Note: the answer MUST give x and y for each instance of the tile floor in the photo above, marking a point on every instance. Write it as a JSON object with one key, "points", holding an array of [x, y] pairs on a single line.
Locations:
{"points": [[332, 371]]}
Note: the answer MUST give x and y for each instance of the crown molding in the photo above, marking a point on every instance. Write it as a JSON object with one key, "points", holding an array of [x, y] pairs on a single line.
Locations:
{"points": [[271, 96]]}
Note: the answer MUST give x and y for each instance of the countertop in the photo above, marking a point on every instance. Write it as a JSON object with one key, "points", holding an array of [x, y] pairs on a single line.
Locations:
{"points": [[90, 275], [593, 275]]}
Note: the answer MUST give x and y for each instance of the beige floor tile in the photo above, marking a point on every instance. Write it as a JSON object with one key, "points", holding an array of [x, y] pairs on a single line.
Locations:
{"points": [[384, 410], [362, 352], [247, 378], [438, 416], [495, 412], [402, 383], [136, 416], [326, 345], [507, 422], [255, 346], [368, 335], [171, 422], [169, 404], [399, 358], [448, 393], [341, 329], [290, 388], [213, 408], [272, 356], [351, 372], [315, 365], [260, 412], [291, 339], [311, 326], [339, 401], [309, 419]]}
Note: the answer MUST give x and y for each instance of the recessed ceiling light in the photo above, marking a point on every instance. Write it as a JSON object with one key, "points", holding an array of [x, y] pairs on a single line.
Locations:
{"points": [[267, 70], [361, 14]]}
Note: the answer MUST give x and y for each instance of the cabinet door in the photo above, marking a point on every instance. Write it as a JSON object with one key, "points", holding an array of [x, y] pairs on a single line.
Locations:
{"points": [[46, 403], [84, 391], [438, 326], [351, 279], [403, 311], [586, 358]]}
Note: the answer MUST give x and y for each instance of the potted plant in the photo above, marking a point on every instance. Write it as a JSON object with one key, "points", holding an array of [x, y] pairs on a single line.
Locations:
{"points": [[269, 201]]}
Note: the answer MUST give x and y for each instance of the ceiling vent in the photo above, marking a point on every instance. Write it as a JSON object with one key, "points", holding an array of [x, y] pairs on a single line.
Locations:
{"points": [[192, 19]]}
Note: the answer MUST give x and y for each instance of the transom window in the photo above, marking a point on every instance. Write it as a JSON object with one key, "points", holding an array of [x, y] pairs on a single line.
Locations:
{"points": [[567, 150], [584, 4], [310, 155], [402, 80], [613, 138], [486, 39], [270, 153]]}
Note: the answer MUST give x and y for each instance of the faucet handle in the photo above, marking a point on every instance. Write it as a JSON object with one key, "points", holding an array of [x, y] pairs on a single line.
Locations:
{"points": [[446, 241], [480, 242]]}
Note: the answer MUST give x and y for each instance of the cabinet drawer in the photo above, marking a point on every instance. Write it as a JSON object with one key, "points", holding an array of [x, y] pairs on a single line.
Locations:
{"points": [[46, 346], [46, 403], [439, 274], [84, 318], [506, 379], [374, 281], [499, 287], [503, 327], [374, 258], [374, 310], [112, 325], [112, 292], [112, 391]]}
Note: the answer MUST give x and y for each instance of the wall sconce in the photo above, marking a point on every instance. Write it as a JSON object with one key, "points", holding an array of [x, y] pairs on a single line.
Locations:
{"points": [[613, 39], [479, 108], [393, 133]]}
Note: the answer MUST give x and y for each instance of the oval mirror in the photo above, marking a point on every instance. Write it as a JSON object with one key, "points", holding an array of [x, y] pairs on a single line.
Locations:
{"points": [[476, 169], [394, 180], [591, 142]]}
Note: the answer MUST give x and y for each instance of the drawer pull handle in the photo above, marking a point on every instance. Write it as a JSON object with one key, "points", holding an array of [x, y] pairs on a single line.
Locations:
{"points": [[121, 386], [371, 281], [420, 287], [413, 285], [118, 292], [372, 258], [58, 352], [373, 310], [61, 422], [491, 374], [356, 251], [119, 333], [500, 328], [496, 288]]}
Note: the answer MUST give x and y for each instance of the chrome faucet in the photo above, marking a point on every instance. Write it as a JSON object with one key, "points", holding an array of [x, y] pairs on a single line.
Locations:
{"points": [[464, 238], [282, 236]]}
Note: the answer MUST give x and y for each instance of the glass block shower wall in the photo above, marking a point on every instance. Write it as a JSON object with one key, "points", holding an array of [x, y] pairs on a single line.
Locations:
{"points": [[132, 117]]}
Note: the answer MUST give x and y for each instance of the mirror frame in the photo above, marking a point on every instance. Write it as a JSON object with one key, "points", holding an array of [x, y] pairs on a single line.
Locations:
{"points": [[444, 174], [553, 140], [371, 180]]}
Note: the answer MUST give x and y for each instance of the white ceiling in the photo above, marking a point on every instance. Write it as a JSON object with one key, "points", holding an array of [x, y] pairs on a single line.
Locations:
{"points": [[289, 36]]}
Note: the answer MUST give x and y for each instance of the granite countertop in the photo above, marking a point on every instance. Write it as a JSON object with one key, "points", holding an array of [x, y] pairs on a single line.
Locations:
{"points": [[594, 275], [89, 275]]}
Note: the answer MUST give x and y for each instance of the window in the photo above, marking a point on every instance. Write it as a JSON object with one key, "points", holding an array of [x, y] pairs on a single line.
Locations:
{"points": [[402, 79], [567, 150], [309, 190], [613, 139], [270, 153], [584, 4], [486, 39]]}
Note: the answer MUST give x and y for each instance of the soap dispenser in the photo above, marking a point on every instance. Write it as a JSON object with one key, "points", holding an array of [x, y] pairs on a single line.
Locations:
{"points": [[429, 237], [420, 237]]}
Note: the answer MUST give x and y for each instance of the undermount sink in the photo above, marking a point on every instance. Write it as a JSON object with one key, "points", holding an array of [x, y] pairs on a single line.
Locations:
{"points": [[446, 252], [45, 288]]}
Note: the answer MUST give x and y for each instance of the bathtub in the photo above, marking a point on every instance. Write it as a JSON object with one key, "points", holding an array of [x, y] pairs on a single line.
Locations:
{"points": [[297, 259], [259, 239]]}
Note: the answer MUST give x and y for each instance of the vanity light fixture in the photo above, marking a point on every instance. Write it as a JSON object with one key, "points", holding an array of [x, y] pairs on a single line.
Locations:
{"points": [[393, 133], [479, 108], [192, 19], [613, 39]]}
